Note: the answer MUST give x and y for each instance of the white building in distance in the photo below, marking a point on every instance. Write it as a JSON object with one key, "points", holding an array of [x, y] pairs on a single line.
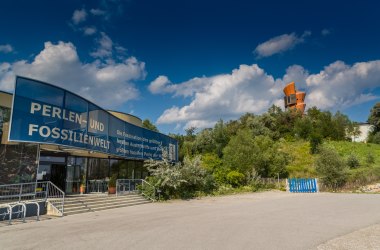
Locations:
{"points": [[365, 129]]}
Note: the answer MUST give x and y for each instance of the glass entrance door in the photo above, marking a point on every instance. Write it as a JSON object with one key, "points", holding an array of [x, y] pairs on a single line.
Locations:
{"points": [[72, 179], [57, 175]]}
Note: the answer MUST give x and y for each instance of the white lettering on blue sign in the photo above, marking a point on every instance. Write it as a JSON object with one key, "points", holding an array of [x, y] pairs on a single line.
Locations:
{"points": [[42, 113], [65, 134], [56, 112]]}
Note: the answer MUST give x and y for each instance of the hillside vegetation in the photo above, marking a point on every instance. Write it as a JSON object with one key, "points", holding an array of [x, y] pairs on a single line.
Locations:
{"points": [[302, 162], [249, 153]]}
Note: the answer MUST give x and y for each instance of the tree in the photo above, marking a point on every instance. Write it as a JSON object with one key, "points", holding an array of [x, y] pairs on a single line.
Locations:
{"points": [[353, 130], [331, 168], [260, 155], [148, 125], [341, 122], [315, 140], [303, 128], [190, 133], [239, 152], [204, 142], [374, 118], [220, 137]]}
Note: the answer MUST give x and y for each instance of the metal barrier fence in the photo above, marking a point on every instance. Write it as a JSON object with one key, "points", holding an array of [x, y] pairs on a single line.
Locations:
{"points": [[25, 192], [126, 186], [97, 186], [307, 185], [19, 192], [20, 212]]}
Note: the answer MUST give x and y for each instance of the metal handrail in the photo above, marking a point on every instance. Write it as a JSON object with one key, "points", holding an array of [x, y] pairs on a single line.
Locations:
{"points": [[23, 211], [17, 192], [56, 197], [33, 191], [38, 207], [97, 186], [9, 210], [124, 186]]}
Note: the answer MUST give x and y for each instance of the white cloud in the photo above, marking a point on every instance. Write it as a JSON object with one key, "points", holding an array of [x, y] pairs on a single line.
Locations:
{"points": [[104, 49], [162, 85], [88, 31], [120, 50], [6, 48], [79, 16], [109, 84], [250, 89], [280, 44], [246, 89], [341, 85], [98, 12]]}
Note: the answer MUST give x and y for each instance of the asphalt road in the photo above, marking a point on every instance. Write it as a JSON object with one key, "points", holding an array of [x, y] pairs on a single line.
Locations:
{"points": [[269, 220]]}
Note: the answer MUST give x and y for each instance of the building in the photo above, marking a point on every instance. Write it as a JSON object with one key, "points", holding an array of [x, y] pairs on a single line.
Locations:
{"points": [[365, 129], [294, 99], [49, 133]]}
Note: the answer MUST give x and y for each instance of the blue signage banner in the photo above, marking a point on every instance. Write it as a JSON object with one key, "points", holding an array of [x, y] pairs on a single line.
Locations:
{"points": [[46, 114]]}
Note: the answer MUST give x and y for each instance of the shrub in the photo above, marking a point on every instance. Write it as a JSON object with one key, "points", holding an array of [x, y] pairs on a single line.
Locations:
{"points": [[374, 138], [315, 140], [353, 161], [331, 168], [370, 159], [235, 179]]}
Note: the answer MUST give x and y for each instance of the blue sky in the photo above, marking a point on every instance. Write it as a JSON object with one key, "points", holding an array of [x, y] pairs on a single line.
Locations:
{"points": [[190, 63]]}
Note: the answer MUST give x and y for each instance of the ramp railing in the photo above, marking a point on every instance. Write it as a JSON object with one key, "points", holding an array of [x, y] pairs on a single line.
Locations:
{"points": [[55, 197]]}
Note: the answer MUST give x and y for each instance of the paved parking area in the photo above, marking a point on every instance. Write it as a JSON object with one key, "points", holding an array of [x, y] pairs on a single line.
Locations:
{"points": [[268, 220]]}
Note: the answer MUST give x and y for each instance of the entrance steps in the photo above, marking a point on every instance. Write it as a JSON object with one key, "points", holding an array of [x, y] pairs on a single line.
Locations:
{"points": [[76, 204]]}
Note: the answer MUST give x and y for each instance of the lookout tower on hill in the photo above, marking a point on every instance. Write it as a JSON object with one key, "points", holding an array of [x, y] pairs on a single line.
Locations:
{"points": [[294, 99]]}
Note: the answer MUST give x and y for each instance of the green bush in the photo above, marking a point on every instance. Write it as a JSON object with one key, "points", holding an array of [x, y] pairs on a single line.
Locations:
{"points": [[315, 140], [353, 161], [370, 159], [331, 169], [235, 179], [374, 138]]}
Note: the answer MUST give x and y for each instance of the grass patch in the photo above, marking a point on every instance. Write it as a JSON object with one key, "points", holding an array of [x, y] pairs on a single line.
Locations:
{"points": [[301, 162]]}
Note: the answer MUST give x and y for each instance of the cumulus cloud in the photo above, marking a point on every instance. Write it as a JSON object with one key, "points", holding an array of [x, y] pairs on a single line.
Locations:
{"points": [[88, 31], [104, 48], [250, 89], [341, 85], [280, 44], [107, 84], [6, 48], [79, 16], [162, 85], [246, 89]]}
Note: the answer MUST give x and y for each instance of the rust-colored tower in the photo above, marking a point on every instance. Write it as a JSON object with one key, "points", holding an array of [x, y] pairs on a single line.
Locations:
{"points": [[294, 99]]}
